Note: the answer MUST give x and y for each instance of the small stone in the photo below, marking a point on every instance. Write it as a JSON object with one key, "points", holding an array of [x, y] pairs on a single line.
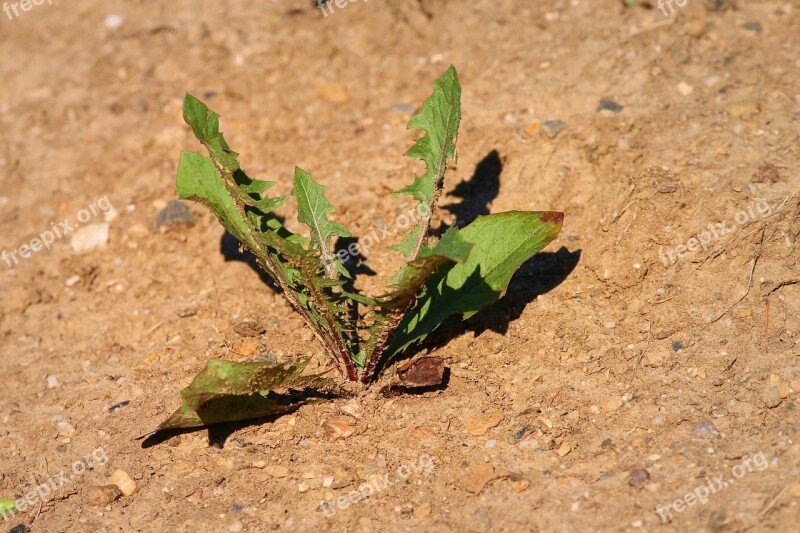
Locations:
{"points": [[479, 478], [479, 425], [785, 389], [19, 528], [175, 213], [123, 480], [52, 381], [639, 477], [753, 25], [118, 406], [100, 496], [248, 347], [333, 92], [352, 408], [553, 127], [336, 429], [248, 328], [303, 487], [684, 88], [236, 527], [72, 281], [261, 464], [520, 485], [705, 429], [771, 396], [744, 108], [327, 481], [564, 449], [89, 238], [677, 345], [531, 129], [491, 443], [277, 471], [610, 105], [113, 21]]}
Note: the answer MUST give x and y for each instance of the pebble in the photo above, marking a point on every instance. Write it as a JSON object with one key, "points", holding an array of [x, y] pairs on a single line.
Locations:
{"points": [[113, 21], [753, 25], [705, 429], [352, 408], [19, 528], [52, 381], [336, 429], [479, 425], [684, 88], [248, 328], [639, 477], [123, 480], [553, 127], [610, 105], [491, 443], [771, 396], [564, 449], [479, 478], [118, 406], [89, 238], [72, 281], [175, 213], [100, 496], [236, 527], [744, 108], [333, 92]]}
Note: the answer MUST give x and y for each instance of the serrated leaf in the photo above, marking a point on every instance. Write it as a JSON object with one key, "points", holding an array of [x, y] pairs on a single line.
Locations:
{"points": [[439, 118], [313, 210], [198, 181], [501, 244], [205, 125], [226, 391]]}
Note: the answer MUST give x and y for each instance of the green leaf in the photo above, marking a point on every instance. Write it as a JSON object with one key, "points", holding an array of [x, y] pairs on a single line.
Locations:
{"points": [[205, 125], [227, 391], [198, 181], [8, 506], [313, 210], [439, 118], [501, 244], [450, 248]]}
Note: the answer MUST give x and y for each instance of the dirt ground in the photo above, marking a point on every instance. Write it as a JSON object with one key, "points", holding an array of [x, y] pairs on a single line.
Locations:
{"points": [[632, 380]]}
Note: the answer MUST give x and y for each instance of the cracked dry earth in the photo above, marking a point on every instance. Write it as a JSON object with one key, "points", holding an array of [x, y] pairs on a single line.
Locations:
{"points": [[633, 379]]}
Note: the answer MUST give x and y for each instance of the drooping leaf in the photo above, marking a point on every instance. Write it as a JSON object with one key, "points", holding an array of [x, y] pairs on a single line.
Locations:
{"points": [[501, 244], [313, 210], [226, 391], [439, 118]]}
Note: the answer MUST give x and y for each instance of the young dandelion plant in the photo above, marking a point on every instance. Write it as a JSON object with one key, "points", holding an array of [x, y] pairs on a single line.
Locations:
{"points": [[458, 274]]}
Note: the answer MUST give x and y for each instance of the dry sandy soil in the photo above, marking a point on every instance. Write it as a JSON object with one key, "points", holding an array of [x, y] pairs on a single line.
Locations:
{"points": [[611, 380]]}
